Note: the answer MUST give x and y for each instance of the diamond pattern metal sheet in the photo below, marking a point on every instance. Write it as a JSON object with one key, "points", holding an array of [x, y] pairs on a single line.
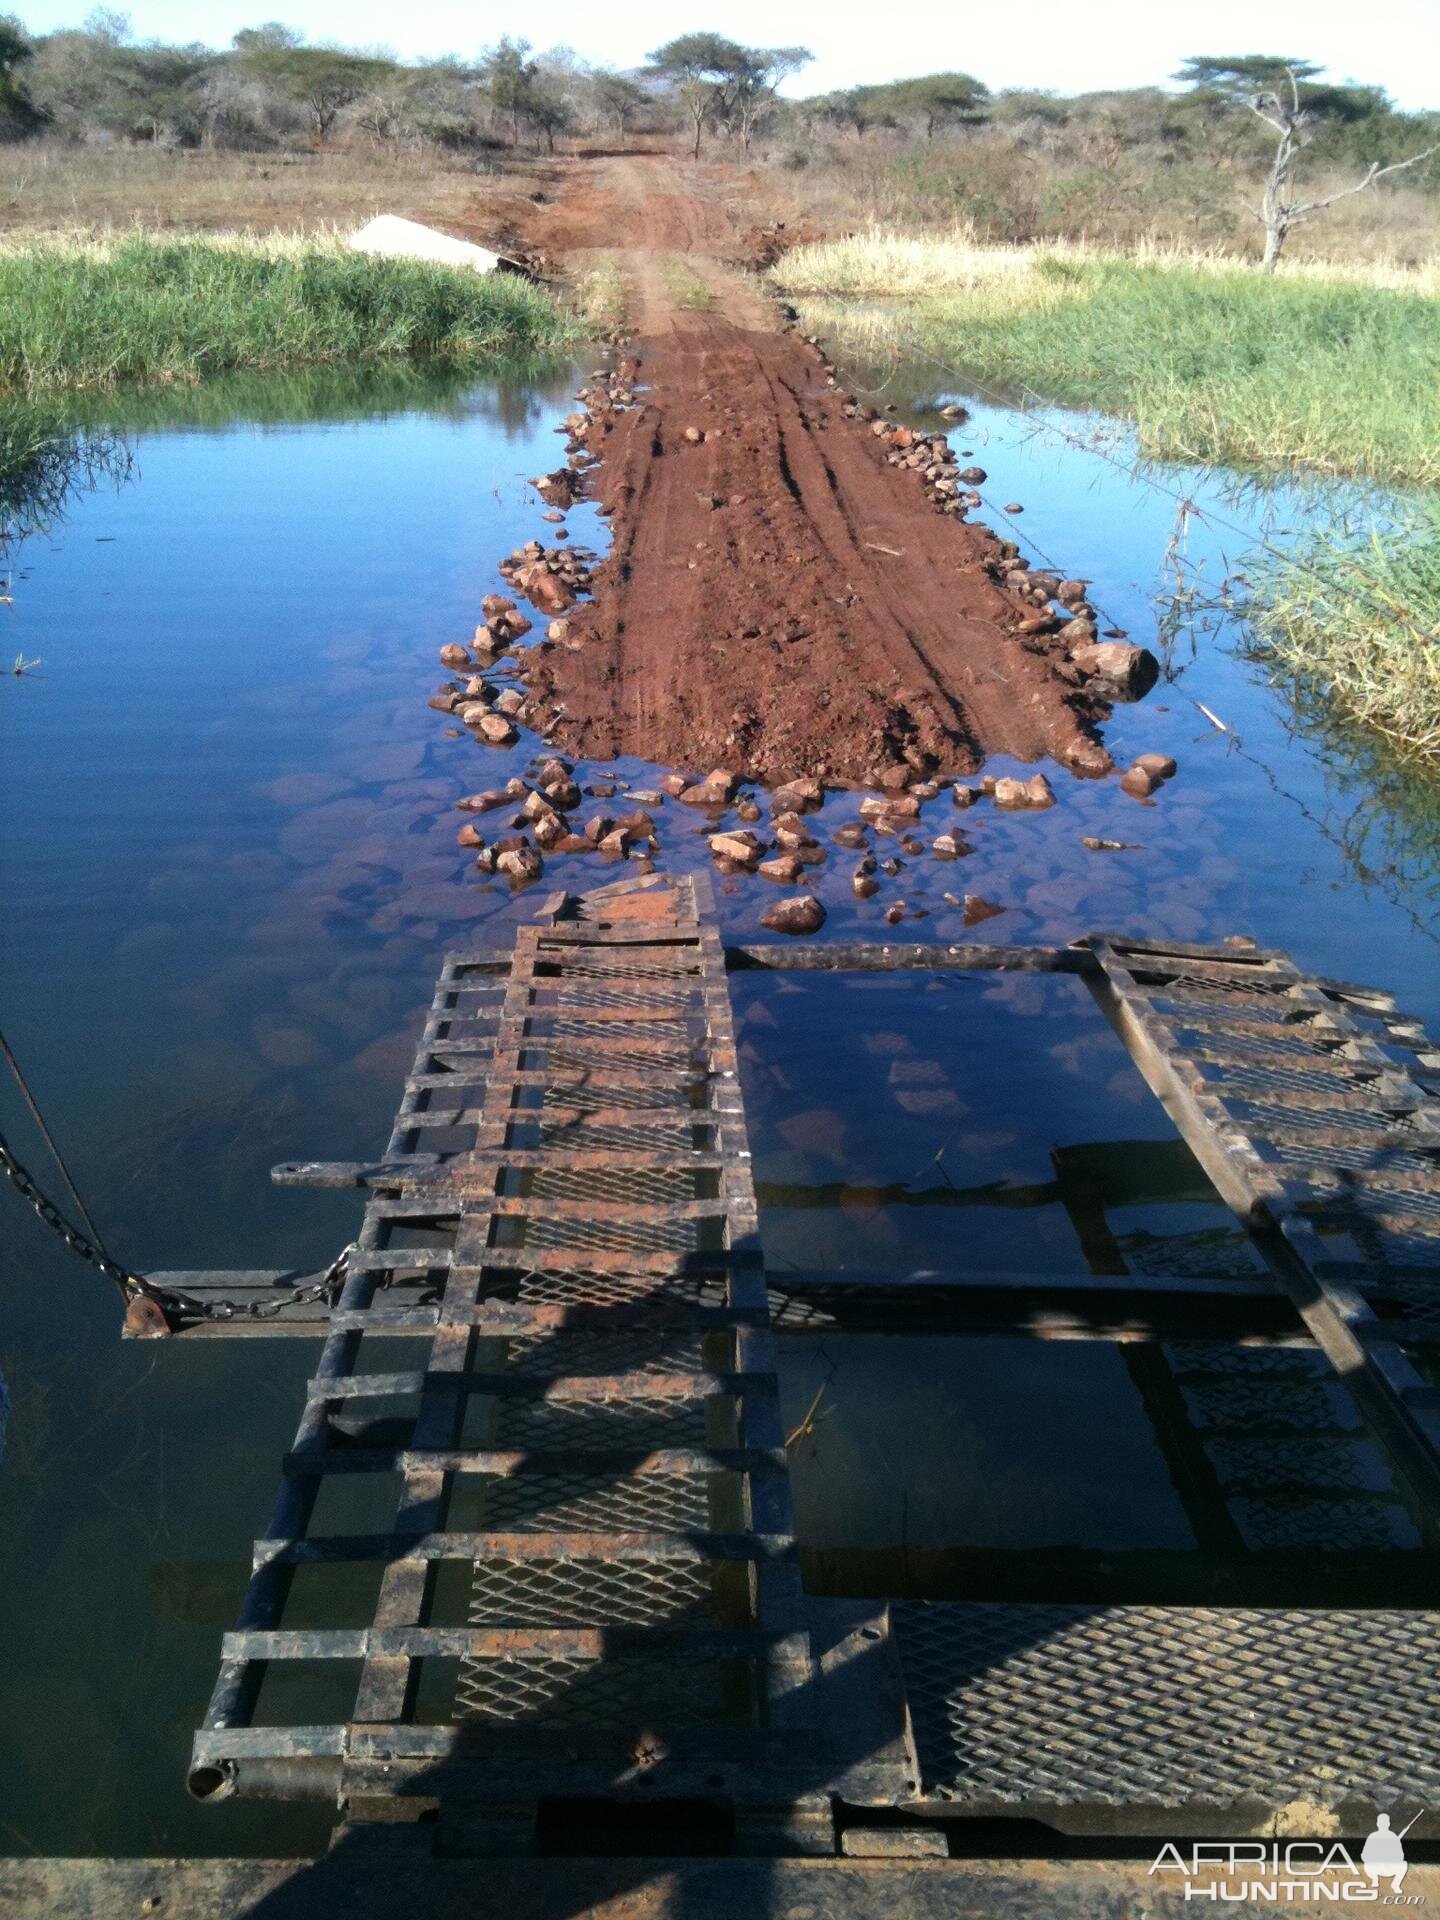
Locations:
{"points": [[634, 1693], [584, 1593], [1023, 1707], [642, 1502]]}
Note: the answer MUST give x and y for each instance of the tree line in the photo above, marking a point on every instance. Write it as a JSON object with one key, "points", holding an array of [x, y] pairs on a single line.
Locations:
{"points": [[1259, 117]]}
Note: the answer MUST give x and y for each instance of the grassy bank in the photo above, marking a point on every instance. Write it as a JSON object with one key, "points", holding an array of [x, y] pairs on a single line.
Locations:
{"points": [[78, 314], [1357, 626], [1214, 361]]}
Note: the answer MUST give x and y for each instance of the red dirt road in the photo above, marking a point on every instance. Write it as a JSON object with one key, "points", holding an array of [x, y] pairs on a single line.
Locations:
{"points": [[778, 600]]}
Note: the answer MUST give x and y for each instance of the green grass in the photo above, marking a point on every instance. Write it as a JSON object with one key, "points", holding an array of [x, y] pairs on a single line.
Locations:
{"points": [[1215, 363], [98, 314], [1356, 625]]}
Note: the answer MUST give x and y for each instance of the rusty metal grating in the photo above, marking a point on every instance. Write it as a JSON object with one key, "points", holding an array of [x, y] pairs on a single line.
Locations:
{"points": [[1336, 1161], [628, 1478], [1016, 1707]]}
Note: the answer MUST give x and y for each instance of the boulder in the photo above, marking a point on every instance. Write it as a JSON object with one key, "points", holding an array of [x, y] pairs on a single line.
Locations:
{"points": [[801, 914], [1126, 672], [454, 655]]}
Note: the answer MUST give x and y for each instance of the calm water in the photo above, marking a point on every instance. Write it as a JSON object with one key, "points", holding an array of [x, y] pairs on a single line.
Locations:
{"points": [[229, 870]]}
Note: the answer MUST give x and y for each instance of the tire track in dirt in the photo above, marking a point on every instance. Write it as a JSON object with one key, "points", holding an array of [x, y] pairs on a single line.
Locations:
{"points": [[778, 599]]}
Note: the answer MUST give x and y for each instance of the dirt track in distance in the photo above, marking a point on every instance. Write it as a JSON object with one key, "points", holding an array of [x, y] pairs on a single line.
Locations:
{"points": [[777, 600]]}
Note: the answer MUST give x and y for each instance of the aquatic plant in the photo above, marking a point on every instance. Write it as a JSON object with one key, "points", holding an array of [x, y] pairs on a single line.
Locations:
{"points": [[1355, 623], [1213, 360], [143, 307]]}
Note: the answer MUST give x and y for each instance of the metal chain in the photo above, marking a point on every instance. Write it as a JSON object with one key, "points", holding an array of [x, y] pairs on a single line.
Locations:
{"points": [[78, 1242], [182, 1305]]}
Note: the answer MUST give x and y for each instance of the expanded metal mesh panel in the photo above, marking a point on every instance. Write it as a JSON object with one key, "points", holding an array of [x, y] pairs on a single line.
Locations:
{"points": [[636, 1185], [632, 1422], [1201, 1254], [1171, 1707], [1323, 1526], [1260, 1404], [639, 1138], [632, 1693], [1316, 1466], [1193, 1359], [632, 1350], [620, 1236], [576, 1288], [617, 1059], [563, 1593], [642, 1502], [647, 1095]]}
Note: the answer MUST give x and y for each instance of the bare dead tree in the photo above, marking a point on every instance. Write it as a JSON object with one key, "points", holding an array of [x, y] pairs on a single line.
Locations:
{"points": [[1294, 122]]}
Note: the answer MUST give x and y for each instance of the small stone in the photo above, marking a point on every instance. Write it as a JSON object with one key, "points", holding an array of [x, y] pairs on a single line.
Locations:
{"points": [[800, 915], [748, 811], [864, 885], [964, 796], [674, 784], [895, 779], [694, 436], [557, 630], [1013, 506], [454, 655], [784, 867], [741, 848], [852, 834], [1090, 760], [469, 836], [1159, 764], [791, 831], [443, 702], [891, 806], [616, 843], [1038, 792], [1103, 846], [644, 797], [1139, 783], [1070, 593], [496, 729], [703, 794], [978, 909], [894, 915], [521, 864], [973, 476], [950, 846], [473, 713], [798, 796]]}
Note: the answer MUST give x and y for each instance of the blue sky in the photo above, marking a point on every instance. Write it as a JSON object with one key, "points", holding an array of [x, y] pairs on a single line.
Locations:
{"points": [[1061, 44]]}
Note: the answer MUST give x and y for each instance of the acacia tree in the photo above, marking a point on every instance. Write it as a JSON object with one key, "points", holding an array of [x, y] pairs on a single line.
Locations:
{"points": [[617, 97], [508, 75], [942, 99], [755, 81], [322, 81], [1279, 92], [702, 68]]}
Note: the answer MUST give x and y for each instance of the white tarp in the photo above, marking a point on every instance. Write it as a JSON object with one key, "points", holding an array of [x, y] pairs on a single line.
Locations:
{"points": [[408, 240]]}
